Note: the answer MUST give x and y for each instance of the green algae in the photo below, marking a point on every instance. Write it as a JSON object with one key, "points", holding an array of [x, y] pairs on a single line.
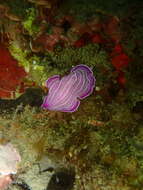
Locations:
{"points": [[29, 22], [106, 148], [103, 140]]}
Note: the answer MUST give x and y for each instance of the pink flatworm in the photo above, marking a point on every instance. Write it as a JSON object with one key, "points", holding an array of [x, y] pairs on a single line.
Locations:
{"points": [[65, 93]]}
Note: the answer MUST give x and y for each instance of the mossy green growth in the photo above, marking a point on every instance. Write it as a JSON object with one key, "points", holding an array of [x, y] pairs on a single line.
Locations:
{"points": [[32, 64], [29, 23], [77, 139], [62, 60], [20, 55], [134, 97], [38, 72]]}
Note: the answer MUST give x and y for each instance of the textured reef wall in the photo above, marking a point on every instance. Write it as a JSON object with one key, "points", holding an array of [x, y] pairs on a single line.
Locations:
{"points": [[101, 143]]}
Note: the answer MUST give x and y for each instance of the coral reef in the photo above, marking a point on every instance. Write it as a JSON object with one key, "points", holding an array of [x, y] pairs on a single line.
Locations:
{"points": [[102, 142]]}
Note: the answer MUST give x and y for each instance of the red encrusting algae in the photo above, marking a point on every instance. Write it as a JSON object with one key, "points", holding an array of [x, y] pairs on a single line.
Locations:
{"points": [[11, 74], [120, 61]]}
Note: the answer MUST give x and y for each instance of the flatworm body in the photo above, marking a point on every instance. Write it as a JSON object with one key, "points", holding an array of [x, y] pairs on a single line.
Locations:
{"points": [[65, 93]]}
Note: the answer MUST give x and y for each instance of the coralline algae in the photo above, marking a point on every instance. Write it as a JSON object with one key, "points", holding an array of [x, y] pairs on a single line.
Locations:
{"points": [[65, 93]]}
